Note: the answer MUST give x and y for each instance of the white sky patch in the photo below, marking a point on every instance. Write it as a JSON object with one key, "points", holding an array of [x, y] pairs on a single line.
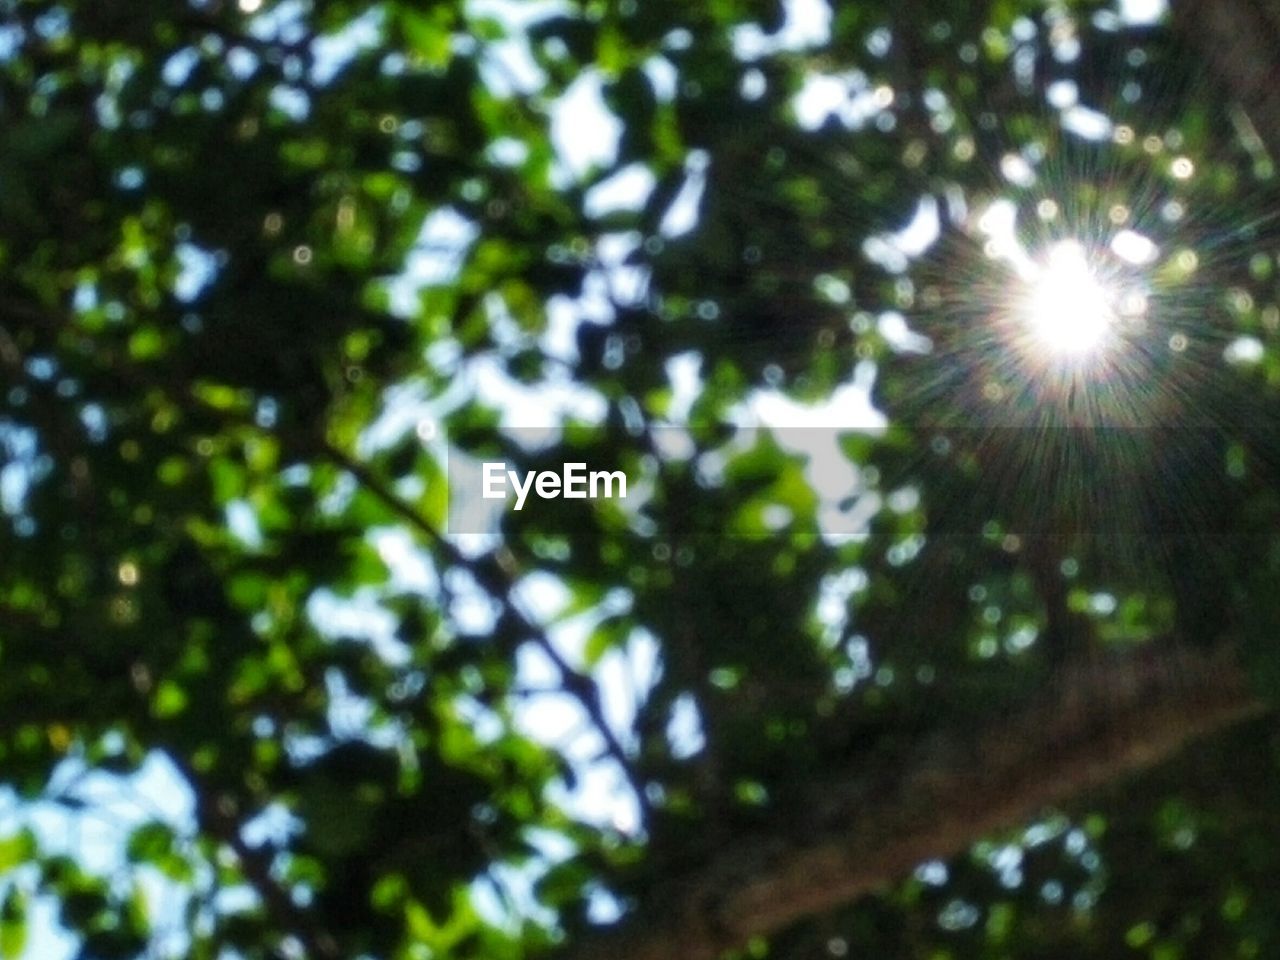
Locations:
{"points": [[504, 895], [284, 23], [603, 907], [1015, 168], [1135, 248], [242, 521], [275, 824], [833, 601], [921, 231], [999, 223], [772, 409], [543, 596], [893, 326], [436, 259], [1062, 94], [585, 134], [614, 248], [628, 189], [1143, 11], [550, 716], [96, 837], [565, 315], [602, 794], [999, 219], [847, 96], [684, 371], [866, 105], [409, 565], [893, 251], [472, 610], [820, 96], [359, 616], [518, 14], [241, 62], [618, 281], [684, 729], [1087, 123], [753, 85], [13, 487], [403, 406], [1244, 351], [179, 66], [348, 715], [156, 790], [508, 151], [338, 497], [291, 101], [884, 253], [626, 675], [334, 52], [683, 213], [662, 74], [849, 407], [504, 330], [516, 884], [508, 67], [807, 23], [546, 403], [559, 339], [197, 268], [957, 205], [813, 431], [11, 37]]}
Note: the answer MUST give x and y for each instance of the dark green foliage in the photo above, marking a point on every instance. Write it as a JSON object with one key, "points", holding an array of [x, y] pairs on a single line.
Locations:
{"points": [[229, 375]]}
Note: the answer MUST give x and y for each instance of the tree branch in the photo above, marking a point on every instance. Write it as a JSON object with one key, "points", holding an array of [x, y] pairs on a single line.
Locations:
{"points": [[498, 579], [222, 823], [1100, 721], [1239, 40]]}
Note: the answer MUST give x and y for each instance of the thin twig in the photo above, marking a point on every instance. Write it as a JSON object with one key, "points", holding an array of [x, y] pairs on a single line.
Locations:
{"points": [[255, 863], [496, 578]]}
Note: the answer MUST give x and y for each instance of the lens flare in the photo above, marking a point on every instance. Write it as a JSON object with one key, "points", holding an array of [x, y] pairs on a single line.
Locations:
{"points": [[1068, 309]]}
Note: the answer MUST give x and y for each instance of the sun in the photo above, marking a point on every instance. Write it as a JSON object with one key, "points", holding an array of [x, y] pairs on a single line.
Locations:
{"points": [[1069, 311]]}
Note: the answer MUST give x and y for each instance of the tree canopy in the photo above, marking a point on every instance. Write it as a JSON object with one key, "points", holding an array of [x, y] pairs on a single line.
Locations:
{"points": [[937, 343]]}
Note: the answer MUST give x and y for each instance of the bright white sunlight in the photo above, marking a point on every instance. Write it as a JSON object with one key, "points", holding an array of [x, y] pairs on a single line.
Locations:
{"points": [[1068, 308]]}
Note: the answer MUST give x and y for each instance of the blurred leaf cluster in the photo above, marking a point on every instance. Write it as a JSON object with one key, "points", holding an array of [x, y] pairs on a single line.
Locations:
{"points": [[265, 266]]}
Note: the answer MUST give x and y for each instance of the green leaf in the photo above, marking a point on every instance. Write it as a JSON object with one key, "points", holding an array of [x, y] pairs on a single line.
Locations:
{"points": [[16, 849], [14, 929]]}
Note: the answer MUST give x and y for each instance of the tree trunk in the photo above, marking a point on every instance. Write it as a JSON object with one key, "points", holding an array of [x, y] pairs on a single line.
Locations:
{"points": [[1239, 43], [1101, 721]]}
